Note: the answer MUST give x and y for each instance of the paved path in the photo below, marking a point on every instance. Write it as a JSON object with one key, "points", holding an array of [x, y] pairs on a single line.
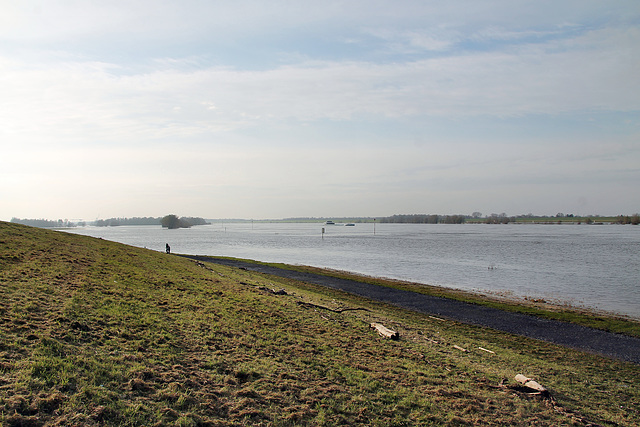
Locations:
{"points": [[567, 334]]}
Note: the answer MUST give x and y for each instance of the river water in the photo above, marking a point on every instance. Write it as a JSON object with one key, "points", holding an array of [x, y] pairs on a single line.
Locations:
{"points": [[592, 266]]}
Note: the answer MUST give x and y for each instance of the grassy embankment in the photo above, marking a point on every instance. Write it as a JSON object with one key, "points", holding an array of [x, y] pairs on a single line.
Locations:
{"points": [[98, 333]]}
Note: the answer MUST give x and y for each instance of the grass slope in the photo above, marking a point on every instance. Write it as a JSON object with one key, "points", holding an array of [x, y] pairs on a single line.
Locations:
{"points": [[98, 333]]}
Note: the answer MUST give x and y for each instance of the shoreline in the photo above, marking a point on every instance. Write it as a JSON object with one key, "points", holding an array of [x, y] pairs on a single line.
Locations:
{"points": [[501, 297], [583, 280], [467, 295], [572, 335]]}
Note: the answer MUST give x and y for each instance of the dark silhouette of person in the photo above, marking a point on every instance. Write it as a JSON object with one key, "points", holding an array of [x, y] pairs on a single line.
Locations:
{"points": [[168, 248]]}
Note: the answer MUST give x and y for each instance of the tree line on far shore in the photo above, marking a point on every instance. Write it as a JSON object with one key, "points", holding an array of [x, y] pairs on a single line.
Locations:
{"points": [[171, 221], [503, 218], [424, 219], [626, 219], [47, 223]]}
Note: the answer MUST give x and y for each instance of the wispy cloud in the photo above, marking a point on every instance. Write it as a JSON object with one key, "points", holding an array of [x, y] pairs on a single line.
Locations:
{"points": [[594, 71]]}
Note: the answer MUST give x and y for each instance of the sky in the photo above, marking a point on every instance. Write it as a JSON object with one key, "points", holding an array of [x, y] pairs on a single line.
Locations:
{"points": [[257, 110]]}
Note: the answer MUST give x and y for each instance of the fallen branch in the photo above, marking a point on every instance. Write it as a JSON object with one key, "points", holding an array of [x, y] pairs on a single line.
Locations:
{"points": [[385, 332], [273, 291], [340, 310], [200, 264]]}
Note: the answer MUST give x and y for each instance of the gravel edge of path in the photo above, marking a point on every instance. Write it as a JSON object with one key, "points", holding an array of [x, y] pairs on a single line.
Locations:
{"points": [[578, 337]]}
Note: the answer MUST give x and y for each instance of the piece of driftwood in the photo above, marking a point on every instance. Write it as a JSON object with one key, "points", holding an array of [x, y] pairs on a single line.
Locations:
{"points": [[488, 351], [385, 332], [464, 350], [340, 310], [529, 383]]}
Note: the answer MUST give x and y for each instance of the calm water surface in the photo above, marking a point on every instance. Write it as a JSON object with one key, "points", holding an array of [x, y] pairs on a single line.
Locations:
{"points": [[591, 266]]}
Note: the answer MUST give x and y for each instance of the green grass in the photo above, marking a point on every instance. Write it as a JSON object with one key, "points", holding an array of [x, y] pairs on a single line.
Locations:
{"points": [[98, 333]]}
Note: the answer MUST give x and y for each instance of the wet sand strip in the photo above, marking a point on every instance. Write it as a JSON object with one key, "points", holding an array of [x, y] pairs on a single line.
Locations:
{"points": [[566, 334]]}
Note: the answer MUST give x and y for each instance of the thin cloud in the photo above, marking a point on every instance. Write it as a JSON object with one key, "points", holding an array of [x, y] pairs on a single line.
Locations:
{"points": [[555, 77]]}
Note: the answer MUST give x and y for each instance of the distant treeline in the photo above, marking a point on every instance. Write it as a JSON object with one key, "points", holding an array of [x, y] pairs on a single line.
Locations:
{"points": [[425, 219], [114, 222], [560, 218], [173, 221], [477, 218], [46, 223], [109, 222], [323, 219], [626, 219], [184, 222]]}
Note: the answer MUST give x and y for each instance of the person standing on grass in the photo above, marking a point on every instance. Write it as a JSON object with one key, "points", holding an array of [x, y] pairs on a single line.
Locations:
{"points": [[168, 248]]}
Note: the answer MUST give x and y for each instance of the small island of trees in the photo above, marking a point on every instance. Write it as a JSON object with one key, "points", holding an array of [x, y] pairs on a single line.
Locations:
{"points": [[173, 222]]}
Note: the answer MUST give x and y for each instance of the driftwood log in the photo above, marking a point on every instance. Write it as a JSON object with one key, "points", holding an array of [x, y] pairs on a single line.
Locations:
{"points": [[385, 332]]}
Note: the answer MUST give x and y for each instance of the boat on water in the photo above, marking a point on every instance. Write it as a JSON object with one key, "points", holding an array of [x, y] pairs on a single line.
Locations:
{"points": [[329, 223], [350, 225]]}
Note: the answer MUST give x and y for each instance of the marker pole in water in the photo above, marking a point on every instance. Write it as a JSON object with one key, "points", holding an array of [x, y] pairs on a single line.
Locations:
{"points": [[322, 233]]}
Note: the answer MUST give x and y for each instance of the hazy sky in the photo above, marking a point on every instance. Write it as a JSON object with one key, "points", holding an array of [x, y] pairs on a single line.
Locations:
{"points": [[272, 109]]}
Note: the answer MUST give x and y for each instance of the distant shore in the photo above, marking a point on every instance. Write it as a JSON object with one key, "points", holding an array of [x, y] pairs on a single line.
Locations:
{"points": [[395, 219]]}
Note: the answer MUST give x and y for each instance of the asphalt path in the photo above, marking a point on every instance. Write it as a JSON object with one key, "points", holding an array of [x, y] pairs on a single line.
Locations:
{"points": [[608, 344]]}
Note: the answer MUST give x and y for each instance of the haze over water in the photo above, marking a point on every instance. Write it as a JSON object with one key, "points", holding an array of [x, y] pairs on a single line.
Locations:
{"points": [[596, 267]]}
